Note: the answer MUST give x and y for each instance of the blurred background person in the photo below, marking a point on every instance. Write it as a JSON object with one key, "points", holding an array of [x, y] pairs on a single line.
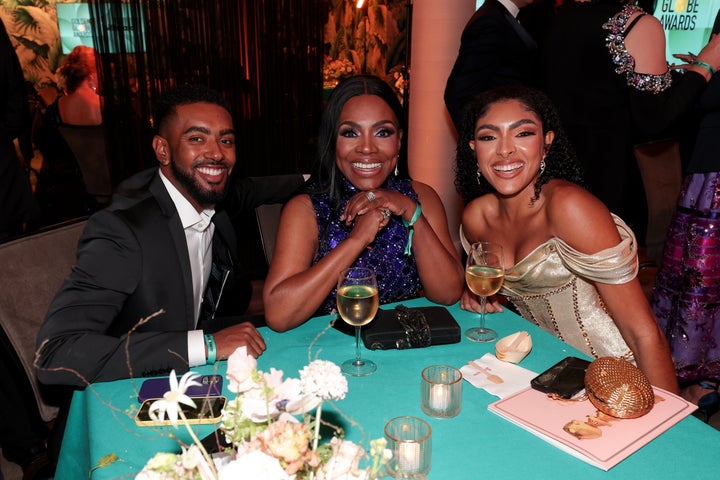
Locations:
{"points": [[604, 65], [686, 297], [18, 207], [357, 211], [60, 185], [495, 50], [81, 104]]}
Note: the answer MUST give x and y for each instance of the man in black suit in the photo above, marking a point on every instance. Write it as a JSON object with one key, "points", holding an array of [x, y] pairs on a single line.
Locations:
{"points": [[495, 50], [169, 250]]}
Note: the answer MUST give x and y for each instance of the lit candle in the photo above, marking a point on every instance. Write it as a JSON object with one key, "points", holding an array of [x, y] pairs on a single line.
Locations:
{"points": [[439, 397], [408, 457]]}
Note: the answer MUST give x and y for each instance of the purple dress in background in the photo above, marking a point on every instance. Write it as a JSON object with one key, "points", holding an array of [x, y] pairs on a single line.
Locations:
{"points": [[686, 298], [397, 274]]}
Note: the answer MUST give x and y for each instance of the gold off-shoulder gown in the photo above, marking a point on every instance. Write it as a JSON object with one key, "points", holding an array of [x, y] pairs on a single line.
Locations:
{"points": [[553, 288]]}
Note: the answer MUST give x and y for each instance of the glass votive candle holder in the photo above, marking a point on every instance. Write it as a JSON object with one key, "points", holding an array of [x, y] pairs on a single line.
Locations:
{"points": [[409, 440], [441, 391]]}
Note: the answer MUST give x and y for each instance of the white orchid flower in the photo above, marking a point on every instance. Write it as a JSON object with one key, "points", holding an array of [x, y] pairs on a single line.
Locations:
{"points": [[170, 403]]}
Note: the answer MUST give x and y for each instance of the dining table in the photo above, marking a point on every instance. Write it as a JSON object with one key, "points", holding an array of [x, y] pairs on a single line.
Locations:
{"points": [[102, 440]]}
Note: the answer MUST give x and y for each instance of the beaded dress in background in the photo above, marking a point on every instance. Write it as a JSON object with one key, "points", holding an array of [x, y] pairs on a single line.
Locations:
{"points": [[686, 297], [397, 274], [552, 288]]}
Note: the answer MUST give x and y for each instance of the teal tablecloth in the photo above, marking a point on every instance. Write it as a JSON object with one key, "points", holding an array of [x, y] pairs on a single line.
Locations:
{"points": [[475, 444]]}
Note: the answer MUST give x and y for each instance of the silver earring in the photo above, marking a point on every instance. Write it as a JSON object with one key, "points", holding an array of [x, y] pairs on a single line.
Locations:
{"points": [[396, 170], [542, 166], [479, 176]]}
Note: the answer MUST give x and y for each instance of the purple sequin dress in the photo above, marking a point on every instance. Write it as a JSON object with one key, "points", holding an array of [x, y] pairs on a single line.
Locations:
{"points": [[396, 273], [686, 298]]}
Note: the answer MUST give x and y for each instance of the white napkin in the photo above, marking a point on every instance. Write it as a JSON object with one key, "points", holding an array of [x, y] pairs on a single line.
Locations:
{"points": [[514, 378]]}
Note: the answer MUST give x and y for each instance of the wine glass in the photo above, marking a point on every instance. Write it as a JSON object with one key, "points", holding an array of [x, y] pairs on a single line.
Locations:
{"points": [[357, 303], [484, 274]]}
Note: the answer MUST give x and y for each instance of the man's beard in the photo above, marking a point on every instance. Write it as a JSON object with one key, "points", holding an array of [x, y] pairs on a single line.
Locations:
{"points": [[202, 197]]}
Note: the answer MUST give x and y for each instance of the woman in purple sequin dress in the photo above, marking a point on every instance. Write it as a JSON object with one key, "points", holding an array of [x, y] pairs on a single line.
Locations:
{"points": [[686, 297], [357, 211]]}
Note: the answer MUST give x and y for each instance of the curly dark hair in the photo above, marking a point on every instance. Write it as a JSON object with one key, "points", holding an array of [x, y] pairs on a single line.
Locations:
{"points": [[560, 161], [325, 175], [167, 102]]}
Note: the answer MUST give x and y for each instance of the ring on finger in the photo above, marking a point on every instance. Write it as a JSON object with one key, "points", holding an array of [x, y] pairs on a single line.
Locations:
{"points": [[385, 213], [370, 196]]}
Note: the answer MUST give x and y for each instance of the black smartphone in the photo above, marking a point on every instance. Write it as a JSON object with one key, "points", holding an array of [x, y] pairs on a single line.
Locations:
{"points": [[208, 410], [565, 379], [210, 386]]}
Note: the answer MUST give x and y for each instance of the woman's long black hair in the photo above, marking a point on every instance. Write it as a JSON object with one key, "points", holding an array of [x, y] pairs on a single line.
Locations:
{"points": [[560, 161], [326, 177]]}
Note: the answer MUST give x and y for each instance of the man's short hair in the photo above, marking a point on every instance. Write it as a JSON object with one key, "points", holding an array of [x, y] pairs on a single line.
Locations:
{"points": [[168, 101]]}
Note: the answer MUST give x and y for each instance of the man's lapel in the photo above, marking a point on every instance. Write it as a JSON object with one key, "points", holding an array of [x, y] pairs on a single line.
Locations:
{"points": [[520, 30], [175, 229]]}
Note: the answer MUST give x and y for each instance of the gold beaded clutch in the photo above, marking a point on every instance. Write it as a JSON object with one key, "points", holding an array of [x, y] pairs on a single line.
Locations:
{"points": [[618, 388]]}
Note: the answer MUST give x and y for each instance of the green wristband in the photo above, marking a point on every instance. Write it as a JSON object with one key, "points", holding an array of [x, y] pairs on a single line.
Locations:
{"points": [[212, 352], [411, 230], [704, 65]]}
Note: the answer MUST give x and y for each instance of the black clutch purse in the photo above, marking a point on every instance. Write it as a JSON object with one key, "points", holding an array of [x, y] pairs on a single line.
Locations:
{"points": [[404, 327]]}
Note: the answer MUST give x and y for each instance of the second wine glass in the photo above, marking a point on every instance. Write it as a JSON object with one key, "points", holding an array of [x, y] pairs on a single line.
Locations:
{"points": [[357, 304], [484, 275]]}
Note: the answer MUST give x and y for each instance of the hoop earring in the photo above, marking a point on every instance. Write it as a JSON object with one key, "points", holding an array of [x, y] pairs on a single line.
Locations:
{"points": [[479, 176], [542, 166]]}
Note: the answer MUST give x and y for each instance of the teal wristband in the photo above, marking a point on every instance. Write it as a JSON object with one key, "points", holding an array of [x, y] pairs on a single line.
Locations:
{"points": [[212, 352], [411, 230], [704, 65]]}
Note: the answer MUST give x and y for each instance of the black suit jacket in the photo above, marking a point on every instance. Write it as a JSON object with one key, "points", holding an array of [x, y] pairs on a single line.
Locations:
{"points": [[494, 51], [131, 263]]}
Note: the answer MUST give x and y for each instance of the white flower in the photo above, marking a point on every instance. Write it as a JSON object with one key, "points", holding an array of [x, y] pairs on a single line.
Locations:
{"points": [[344, 463], [158, 467], [241, 369], [170, 404], [169, 466], [324, 380], [255, 465], [282, 396], [192, 460]]}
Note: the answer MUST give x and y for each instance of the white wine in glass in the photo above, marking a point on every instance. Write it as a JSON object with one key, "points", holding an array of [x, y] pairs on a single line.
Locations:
{"points": [[484, 275], [357, 303]]}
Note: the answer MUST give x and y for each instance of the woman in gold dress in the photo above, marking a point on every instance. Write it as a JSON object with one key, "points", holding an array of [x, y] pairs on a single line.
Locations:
{"points": [[572, 264]]}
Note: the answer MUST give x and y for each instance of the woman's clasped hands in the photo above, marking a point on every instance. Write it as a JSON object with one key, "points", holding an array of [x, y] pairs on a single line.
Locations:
{"points": [[370, 211]]}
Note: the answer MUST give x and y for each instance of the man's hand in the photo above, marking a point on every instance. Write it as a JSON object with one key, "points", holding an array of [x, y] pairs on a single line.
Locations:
{"points": [[228, 339]]}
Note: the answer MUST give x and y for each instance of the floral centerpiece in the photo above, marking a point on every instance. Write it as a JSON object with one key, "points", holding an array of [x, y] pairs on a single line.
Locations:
{"points": [[268, 440]]}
